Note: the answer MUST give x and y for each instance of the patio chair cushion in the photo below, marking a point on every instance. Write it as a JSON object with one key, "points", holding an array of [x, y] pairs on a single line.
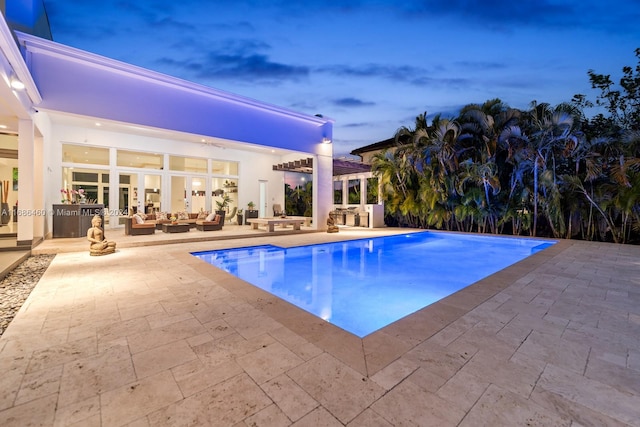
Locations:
{"points": [[277, 210], [204, 225]]}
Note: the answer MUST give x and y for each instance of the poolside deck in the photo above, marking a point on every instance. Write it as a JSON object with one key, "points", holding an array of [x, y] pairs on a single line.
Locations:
{"points": [[152, 336]]}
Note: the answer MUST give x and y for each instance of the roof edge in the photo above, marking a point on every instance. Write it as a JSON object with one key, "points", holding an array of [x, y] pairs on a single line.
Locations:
{"points": [[17, 62], [36, 44]]}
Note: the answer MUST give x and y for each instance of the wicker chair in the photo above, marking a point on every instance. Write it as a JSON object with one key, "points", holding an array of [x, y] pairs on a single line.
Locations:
{"points": [[204, 225], [277, 210], [133, 228]]}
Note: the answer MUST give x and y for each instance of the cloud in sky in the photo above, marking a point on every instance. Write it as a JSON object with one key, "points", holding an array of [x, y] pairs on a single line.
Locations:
{"points": [[371, 66], [229, 66], [357, 125], [352, 102]]}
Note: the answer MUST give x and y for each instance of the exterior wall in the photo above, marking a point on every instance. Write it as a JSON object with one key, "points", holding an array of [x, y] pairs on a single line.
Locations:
{"points": [[253, 167], [79, 83], [27, 15], [323, 187]]}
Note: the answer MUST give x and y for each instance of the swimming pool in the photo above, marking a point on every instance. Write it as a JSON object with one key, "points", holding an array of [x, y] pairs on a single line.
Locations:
{"points": [[363, 285]]}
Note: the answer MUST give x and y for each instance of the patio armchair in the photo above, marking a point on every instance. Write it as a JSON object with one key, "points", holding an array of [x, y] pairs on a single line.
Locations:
{"points": [[211, 223], [277, 210], [135, 226], [232, 214]]}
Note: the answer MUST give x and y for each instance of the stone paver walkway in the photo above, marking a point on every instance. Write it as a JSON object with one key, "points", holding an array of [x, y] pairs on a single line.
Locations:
{"points": [[151, 336]]}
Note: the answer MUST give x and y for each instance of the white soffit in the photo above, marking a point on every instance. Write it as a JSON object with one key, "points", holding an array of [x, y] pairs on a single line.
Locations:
{"points": [[73, 120], [78, 82]]}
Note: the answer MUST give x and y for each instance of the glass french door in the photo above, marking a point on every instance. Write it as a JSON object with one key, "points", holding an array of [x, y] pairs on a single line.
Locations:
{"points": [[138, 192], [179, 200], [127, 196], [198, 193], [188, 193], [152, 194]]}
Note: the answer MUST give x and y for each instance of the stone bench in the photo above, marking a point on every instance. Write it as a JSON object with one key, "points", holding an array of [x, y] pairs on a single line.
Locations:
{"points": [[270, 223], [306, 219]]}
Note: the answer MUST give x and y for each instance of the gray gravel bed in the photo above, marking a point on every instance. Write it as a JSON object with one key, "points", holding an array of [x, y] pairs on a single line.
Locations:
{"points": [[18, 284]]}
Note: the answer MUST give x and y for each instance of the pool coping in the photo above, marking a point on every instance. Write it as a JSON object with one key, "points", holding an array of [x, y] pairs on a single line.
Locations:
{"points": [[377, 350]]}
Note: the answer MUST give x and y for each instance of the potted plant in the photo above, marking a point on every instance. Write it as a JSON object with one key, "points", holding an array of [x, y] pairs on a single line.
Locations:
{"points": [[240, 216], [6, 216], [251, 212], [223, 205]]}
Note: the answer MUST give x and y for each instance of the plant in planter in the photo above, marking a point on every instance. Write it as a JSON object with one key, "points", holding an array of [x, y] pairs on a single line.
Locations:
{"points": [[239, 216], [223, 206], [251, 212], [6, 216]]}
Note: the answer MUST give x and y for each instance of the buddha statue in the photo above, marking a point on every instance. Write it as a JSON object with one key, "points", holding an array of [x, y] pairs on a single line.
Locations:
{"points": [[99, 244], [331, 225]]}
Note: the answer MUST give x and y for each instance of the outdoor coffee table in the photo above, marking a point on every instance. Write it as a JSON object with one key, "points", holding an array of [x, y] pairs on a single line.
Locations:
{"points": [[175, 228]]}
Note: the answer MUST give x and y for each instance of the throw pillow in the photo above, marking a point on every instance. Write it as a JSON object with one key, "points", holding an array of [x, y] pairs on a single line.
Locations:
{"points": [[203, 214], [210, 216], [183, 215], [138, 219], [161, 216]]}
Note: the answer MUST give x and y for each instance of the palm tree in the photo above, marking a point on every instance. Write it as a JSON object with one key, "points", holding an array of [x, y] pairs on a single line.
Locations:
{"points": [[443, 146], [519, 156], [575, 183], [545, 170], [484, 123], [484, 177], [550, 135], [396, 181]]}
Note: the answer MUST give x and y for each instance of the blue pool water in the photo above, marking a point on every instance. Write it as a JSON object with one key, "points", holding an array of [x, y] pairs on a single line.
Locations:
{"points": [[364, 285]]}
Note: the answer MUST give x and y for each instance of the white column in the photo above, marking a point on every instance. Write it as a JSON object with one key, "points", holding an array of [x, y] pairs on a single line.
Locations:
{"points": [[322, 189], [363, 192], [114, 190], [345, 190], [26, 173]]}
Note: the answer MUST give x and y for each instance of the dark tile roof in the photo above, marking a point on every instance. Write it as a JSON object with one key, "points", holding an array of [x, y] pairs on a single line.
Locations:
{"points": [[340, 166]]}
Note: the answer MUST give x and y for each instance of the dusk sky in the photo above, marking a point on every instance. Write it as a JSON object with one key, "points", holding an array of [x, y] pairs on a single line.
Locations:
{"points": [[372, 66]]}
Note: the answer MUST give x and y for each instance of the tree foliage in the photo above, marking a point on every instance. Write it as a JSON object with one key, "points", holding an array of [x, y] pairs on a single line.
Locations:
{"points": [[545, 171]]}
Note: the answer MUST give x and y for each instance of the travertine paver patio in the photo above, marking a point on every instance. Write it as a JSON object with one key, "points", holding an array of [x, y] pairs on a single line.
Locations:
{"points": [[150, 336]]}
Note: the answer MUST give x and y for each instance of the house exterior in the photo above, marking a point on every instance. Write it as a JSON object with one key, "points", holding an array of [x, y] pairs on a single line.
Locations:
{"points": [[131, 138], [360, 189], [367, 152], [356, 195]]}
